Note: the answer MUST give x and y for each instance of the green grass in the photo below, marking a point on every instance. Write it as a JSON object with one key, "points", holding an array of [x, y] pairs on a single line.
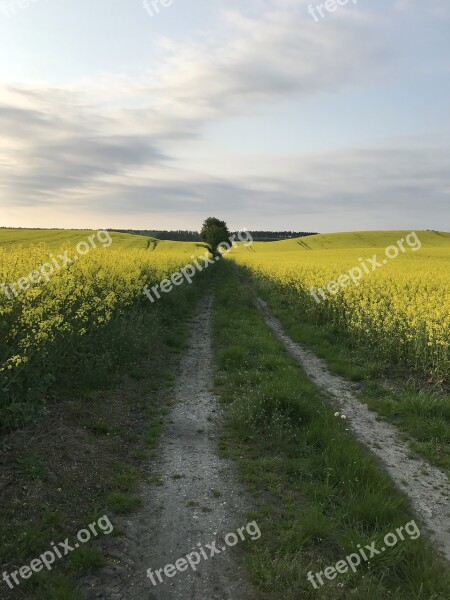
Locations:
{"points": [[347, 240], [122, 503], [86, 560], [53, 586], [28, 467], [127, 477], [153, 433], [318, 492], [55, 238], [423, 415]]}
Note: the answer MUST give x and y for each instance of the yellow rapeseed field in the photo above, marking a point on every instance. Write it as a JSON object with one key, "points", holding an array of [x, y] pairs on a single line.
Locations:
{"points": [[47, 318], [401, 309]]}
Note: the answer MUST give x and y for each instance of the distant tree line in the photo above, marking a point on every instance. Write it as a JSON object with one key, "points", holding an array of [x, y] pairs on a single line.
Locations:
{"points": [[179, 235], [265, 236]]}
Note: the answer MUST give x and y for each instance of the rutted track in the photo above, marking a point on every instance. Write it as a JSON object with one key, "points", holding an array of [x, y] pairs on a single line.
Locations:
{"points": [[183, 512], [426, 486]]}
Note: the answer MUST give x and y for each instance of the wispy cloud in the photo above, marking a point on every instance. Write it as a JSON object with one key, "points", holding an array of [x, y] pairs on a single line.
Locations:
{"points": [[59, 141]]}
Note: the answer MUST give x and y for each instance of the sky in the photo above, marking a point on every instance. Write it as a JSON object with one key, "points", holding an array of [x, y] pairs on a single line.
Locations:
{"points": [[270, 114]]}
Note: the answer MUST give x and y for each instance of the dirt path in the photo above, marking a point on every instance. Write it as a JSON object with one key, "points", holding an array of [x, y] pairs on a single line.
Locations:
{"points": [[198, 502], [425, 485]]}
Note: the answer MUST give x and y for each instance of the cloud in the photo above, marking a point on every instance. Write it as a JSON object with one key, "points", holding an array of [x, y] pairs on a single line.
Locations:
{"points": [[434, 8], [111, 146], [59, 141], [264, 60]]}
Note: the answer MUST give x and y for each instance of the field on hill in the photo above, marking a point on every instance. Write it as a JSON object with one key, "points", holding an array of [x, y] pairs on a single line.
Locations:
{"points": [[57, 238], [389, 297]]}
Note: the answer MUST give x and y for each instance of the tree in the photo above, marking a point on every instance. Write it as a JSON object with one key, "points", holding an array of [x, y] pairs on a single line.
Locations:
{"points": [[214, 232]]}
